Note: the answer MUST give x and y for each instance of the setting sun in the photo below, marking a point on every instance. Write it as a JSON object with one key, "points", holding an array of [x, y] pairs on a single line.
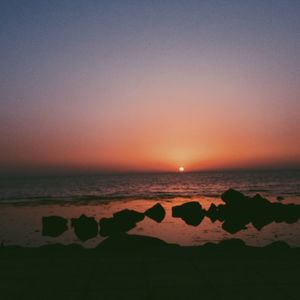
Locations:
{"points": [[181, 169]]}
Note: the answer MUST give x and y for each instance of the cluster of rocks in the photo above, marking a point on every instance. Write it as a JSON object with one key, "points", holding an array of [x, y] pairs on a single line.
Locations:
{"points": [[239, 211], [86, 228], [191, 213], [235, 214]]}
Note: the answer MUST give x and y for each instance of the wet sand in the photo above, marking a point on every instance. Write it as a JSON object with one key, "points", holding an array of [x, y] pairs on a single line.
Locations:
{"points": [[148, 263], [21, 224]]}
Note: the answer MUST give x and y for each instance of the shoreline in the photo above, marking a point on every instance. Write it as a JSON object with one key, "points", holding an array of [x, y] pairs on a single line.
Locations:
{"points": [[22, 224], [99, 200]]}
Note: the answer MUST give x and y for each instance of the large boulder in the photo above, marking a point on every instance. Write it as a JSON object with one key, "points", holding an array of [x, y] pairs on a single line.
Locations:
{"points": [[54, 226], [236, 224], [260, 212], [260, 220], [156, 213], [191, 213], [85, 227], [239, 210], [129, 215], [121, 222], [288, 213], [233, 197]]}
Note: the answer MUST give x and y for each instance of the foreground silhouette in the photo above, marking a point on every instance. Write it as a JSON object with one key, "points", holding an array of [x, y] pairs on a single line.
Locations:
{"points": [[156, 213], [121, 222], [191, 212], [54, 226], [240, 210], [139, 267], [237, 212], [125, 266], [85, 227]]}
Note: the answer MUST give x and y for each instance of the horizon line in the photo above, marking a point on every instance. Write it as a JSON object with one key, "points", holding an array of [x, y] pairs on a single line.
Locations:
{"points": [[85, 172]]}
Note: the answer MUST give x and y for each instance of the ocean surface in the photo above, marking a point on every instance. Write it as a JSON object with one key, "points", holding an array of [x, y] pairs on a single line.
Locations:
{"points": [[25, 201], [150, 186]]}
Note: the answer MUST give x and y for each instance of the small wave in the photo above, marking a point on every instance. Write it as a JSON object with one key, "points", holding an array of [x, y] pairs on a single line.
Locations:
{"points": [[211, 195], [83, 199]]}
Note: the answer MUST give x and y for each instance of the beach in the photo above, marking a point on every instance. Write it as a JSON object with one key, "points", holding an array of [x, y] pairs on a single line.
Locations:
{"points": [[22, 224], [230, 246]]}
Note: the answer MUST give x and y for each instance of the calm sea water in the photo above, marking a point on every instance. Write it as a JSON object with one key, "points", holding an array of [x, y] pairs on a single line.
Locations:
{"points": [[150, 186], [24, 201]]}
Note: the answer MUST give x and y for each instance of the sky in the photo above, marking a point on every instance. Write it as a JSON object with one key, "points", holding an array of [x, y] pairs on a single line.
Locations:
{"points": [[149, 85]]}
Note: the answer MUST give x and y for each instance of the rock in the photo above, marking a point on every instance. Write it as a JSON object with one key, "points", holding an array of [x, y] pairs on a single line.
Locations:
{"points": [[280, 198], [212, 212], [156, 213], [114, 226], [123, 242], [234, 225], [260, 220], [239, 210], [54, 226], [288, 213], [260, 212], [129, 215], [221, 212], [121, 222], [259, 201], [233, 197], [278, 245], [191, 213], [85, 227]]}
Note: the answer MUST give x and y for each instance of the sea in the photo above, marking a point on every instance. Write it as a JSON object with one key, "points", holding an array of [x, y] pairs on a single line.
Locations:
{"points": [[24, 201], [113, 187]]}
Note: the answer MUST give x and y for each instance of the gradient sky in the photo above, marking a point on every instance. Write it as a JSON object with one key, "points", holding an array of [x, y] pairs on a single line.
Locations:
{"points": [[149, 85]]}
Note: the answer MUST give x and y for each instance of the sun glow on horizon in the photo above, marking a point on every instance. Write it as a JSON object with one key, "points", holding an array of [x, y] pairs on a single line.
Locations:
{"points": [[149, 86]]}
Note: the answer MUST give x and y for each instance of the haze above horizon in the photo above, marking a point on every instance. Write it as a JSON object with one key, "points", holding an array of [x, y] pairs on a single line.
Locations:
{"points": [[149, 86]]}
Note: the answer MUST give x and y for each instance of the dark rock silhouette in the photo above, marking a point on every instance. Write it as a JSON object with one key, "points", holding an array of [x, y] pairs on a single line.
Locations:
{"points": [[240, 210], [121, 242], [121, 222], [288, 213], [129, 215], [85, 227], [278, 245], [156, 213], [191, 213], [236, 214], [233, 197], [212, 212], [54, 226], [261, 220], [280, 198], [235, 225]]}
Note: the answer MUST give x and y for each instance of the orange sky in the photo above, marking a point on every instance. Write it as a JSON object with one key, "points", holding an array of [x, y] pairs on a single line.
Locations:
{"points": [[150, 87]]}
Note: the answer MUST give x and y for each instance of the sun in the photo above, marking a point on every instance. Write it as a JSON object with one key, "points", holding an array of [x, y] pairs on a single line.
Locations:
{"points": [[181, 169]]}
